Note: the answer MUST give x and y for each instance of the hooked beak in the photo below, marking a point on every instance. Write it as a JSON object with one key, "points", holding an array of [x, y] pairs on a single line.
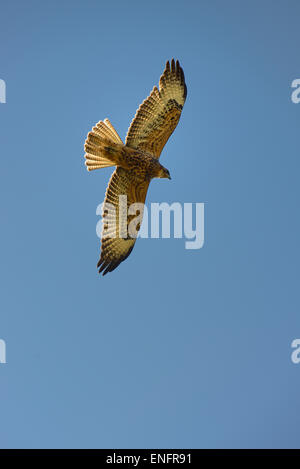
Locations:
{"points": [[169, 177]]}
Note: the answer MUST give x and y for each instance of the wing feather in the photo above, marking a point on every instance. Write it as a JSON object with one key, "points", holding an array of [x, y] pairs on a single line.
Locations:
{"points": [[158, 116], [116, 247]]}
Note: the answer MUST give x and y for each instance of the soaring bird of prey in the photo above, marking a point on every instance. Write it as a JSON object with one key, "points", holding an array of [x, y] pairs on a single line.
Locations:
{"points": [[137, 162]]}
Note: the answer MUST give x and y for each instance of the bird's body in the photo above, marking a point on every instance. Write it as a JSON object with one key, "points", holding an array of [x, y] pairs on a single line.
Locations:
{"points": [[137, 162], [142, 164]]}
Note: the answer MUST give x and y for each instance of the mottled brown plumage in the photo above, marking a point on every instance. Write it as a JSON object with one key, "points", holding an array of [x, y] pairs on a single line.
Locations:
{"points": [[137, 162]]}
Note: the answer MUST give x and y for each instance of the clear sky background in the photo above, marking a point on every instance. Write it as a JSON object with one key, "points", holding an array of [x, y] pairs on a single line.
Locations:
{"points": [[175, 348]]}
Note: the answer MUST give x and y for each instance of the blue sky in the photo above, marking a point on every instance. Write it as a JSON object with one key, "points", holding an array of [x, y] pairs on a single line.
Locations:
{"points": [[175, 348]]}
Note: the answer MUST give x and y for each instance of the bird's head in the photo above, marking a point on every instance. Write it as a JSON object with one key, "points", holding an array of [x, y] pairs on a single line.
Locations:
{"points": [[164, 173]]}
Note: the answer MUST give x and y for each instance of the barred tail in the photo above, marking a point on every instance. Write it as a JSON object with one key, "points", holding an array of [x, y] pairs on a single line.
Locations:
{"points": [[102, 146]]}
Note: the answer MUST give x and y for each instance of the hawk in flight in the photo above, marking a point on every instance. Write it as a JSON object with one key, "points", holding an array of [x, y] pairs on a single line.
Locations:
{"points": [[137, 162]]}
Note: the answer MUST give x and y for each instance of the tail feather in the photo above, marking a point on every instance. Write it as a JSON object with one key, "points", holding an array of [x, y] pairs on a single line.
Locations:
{"points": [[101, 144]]}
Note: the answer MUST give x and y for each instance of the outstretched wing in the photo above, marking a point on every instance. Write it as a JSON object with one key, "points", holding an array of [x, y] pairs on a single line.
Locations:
{"points": [[158, 115], [120, 229]]}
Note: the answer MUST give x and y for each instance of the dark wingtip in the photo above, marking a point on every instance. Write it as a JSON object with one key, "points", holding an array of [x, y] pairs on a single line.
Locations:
{"points": [[176, 68], [185, 91], [106, 265]]}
